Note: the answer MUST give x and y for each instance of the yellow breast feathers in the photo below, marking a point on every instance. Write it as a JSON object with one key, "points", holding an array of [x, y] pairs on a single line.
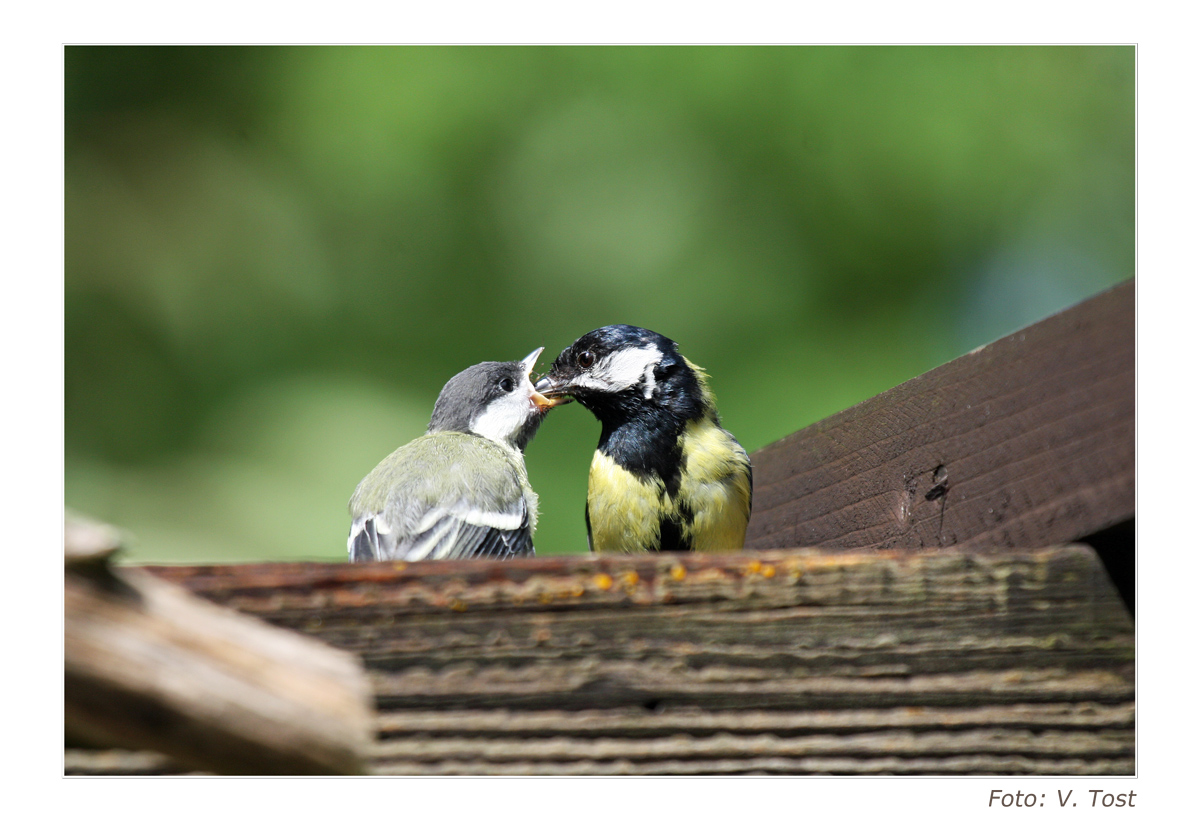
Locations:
{"points": [[716, 486], [710, 509]]}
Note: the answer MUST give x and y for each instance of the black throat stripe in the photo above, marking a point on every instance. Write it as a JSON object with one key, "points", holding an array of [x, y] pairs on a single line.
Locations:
{"points": [[648, 451]]}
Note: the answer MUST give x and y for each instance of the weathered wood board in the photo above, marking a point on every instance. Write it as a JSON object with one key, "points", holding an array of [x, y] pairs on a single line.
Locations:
{"points": [[1026, 442], [148, 665], [776, 662]]}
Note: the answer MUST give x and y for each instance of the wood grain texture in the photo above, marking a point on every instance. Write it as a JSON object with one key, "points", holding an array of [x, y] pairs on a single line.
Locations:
{"points": [[785, 662], [1026, 442], [150, 666]]}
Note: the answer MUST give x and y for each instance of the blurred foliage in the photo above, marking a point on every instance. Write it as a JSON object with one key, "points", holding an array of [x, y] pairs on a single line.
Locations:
{"points": [[276, 256]]}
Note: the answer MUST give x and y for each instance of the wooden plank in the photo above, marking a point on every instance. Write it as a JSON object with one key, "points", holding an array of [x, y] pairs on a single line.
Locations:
{"points": [[149, 666], [1026, 442], [975, 765], [1097, 729], [729, 747], [772, 662], [636, 722], [99, 762]]}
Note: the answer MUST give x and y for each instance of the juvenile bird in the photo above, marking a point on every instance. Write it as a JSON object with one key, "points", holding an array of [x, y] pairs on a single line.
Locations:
{"points": [[460, 490], [665, 475]]}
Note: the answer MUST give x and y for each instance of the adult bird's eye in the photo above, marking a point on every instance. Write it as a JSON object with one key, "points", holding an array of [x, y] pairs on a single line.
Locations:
{"points": [[586, 358], [506, 384]]}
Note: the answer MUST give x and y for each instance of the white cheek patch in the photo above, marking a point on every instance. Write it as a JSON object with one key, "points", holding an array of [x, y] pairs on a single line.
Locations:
{"points": [[623, 369], [503, 418]]}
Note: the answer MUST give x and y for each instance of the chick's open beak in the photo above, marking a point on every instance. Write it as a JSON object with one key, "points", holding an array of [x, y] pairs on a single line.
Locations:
{"points": [[529, 361], [541, 402]]}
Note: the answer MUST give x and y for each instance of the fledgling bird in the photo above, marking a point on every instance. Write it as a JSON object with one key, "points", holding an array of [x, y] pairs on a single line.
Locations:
{"points": [[665, 475], [460, 490]]}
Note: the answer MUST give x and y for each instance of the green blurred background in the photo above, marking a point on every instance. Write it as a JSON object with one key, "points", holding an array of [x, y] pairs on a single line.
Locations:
{"points": [[276, 256]]}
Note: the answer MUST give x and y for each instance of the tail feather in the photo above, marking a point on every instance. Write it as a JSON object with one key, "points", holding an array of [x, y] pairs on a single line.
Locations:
{"points": [[364, 543]]}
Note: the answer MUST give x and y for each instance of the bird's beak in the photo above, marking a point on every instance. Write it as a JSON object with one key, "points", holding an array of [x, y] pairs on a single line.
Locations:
{"points": [[540, 401], [550, 389], [529, 361]]}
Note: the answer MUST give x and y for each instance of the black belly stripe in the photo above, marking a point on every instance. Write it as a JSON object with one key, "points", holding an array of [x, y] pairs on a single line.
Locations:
{"points": [[674, 476], [670, 537]]}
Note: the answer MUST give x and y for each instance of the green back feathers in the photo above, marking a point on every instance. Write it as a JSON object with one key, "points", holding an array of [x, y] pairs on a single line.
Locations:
{"points": [[437, 467]]}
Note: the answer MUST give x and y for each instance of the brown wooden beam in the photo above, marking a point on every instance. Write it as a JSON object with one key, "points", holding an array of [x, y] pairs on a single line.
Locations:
{"points": [[1026, 442], [789, 661], [149, 666]]}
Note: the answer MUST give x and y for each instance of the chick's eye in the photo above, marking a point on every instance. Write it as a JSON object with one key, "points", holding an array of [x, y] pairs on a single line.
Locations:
{"points": [[506, 384], [586, 358]]}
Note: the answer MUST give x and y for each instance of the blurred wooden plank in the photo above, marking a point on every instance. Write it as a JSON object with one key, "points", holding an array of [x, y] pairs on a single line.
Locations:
{"points": [[101, 762], [726, 747], [637, 722], [1075, 738], [87, 542], [975, 765], [1026, 442], [772, 662], [148, 666]]}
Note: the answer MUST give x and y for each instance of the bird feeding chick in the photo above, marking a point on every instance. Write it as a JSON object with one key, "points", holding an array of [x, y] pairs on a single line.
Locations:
{"points": [[665, 475], [460, 490]]}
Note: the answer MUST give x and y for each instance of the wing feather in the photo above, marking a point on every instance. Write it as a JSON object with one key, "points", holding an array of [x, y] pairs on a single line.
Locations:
{"points": [[434, 507]]}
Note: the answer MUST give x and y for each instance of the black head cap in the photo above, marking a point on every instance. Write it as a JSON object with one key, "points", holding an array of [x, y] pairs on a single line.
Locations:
{"points": [[606, 340], [622, 371]]}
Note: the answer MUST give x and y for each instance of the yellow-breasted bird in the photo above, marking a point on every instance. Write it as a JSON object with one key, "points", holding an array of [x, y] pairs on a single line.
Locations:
{"points": [[665, 475]]}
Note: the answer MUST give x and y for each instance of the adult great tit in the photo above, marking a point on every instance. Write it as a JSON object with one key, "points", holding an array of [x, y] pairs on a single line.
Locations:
{"points": [[665, 475], [460, 490]]}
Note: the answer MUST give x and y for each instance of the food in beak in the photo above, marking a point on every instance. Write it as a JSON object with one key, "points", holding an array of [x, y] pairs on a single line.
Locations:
{"points": [[544, 392], [544, 403]]}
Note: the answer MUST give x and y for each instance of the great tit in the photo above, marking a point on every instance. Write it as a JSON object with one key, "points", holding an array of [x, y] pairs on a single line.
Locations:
{"points": [[665, 475], [460, 490]]}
